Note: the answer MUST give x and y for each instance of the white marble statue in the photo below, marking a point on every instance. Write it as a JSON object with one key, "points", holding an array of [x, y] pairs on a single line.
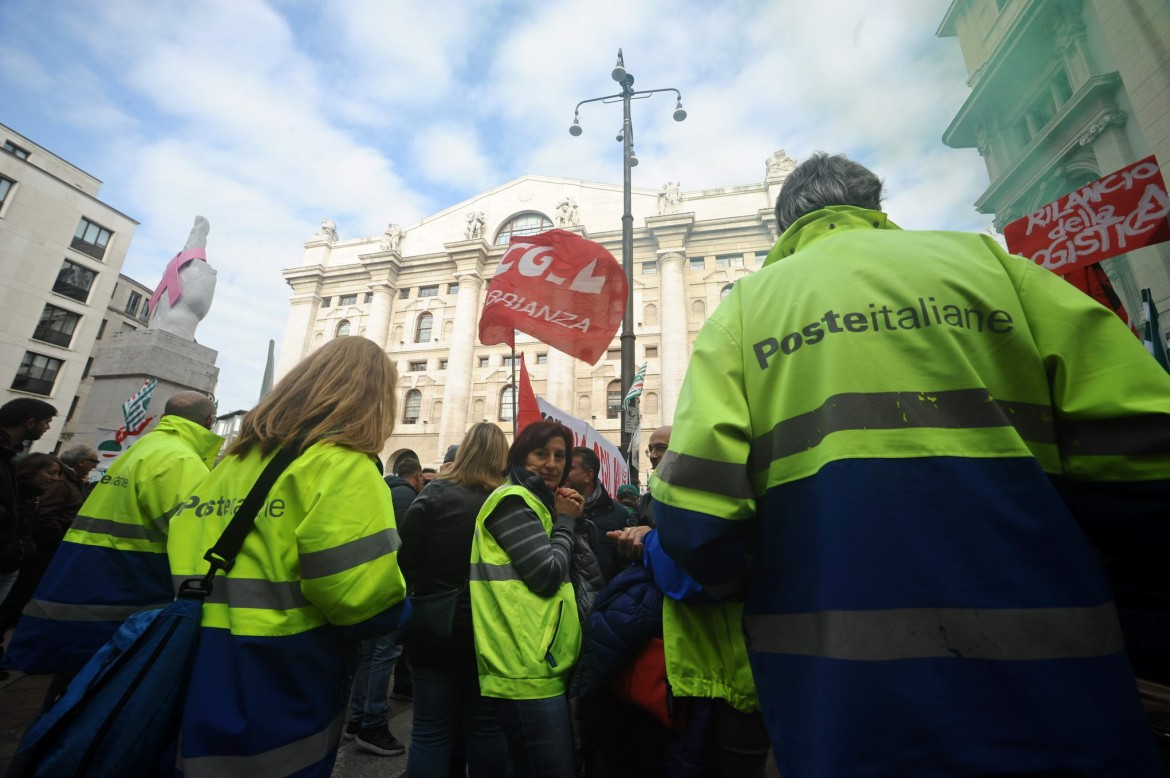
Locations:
{"points": [[328, 231], [779, 165], [183, 297], [392, 239], [567, 214], [475, 225], [670, 197]]}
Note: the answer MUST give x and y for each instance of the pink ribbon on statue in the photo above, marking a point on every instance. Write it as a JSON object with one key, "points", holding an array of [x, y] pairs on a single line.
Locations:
{"points": [[170, 281]]}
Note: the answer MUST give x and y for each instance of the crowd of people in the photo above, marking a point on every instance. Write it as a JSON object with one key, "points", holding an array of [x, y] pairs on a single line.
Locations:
{"points": [[909, 551]]}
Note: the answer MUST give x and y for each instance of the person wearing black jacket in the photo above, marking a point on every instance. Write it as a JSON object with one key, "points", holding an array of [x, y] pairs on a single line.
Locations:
{"points": [[21, 420], [602, 511], [436, 534]]}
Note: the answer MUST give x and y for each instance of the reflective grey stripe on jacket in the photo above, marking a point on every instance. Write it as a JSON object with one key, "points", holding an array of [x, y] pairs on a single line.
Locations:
{"points": [[318, 564], [949, 633], [251, 592], [64, 611], [282, 760]]}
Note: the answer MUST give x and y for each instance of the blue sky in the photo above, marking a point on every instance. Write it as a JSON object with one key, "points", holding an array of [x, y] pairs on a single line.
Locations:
{"points": [[266, 117]]}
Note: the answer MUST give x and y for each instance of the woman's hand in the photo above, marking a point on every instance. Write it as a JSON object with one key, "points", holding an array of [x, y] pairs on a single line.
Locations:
{"points": [[569, 502]]}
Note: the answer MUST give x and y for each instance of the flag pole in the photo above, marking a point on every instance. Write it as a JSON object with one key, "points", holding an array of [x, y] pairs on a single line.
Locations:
{"points": [[514, 388]]}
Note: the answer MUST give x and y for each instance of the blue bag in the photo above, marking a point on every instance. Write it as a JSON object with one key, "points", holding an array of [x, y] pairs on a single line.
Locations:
{"points": [[120, 715]]}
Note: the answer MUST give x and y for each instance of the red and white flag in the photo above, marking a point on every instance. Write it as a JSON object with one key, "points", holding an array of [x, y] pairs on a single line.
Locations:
{"points": [[559, 288]]}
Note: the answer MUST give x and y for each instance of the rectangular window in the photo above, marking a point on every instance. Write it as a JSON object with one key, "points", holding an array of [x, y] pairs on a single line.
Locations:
{"points": [[729, 260], [442, 364], [698, 263], [6, 185], [326, 302], [417, 366], [91, 239], [542, 359], [56, 326], [649, 268], [133, 303], [651, 351], [15, 150], [428, 291], [452, 288], [613, 403], [404, 294], [508, 360], [37, 373], [369, 297], [145, 312], [74, 281], [347, 299], [614, 353], [485, 361]]}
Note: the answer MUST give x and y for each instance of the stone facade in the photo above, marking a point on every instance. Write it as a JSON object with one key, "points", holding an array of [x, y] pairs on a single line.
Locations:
{"points": [[61, 250], [418, 290], [1061, 94]]}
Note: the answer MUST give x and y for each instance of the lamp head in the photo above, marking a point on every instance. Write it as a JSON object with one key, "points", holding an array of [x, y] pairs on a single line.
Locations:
{"points": [[633, 159], [575, 128], [619, 70], [679, 112]]}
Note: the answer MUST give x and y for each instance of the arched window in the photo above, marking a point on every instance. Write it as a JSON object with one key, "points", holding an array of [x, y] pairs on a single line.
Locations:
{"points": [[506, 404], [650, 317], [478, 409], [343, 328], [725, 291], [448, 327], [524, 224], [422, 330], [650, 402], [412, 405], [437, 412], [584, 406], [613, 400], [397, 337], [698, 312]]}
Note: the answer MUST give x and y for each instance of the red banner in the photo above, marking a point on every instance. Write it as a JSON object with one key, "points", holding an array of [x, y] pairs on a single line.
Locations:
{"points": [[559, 288], [614, 469], [1120, 212]]}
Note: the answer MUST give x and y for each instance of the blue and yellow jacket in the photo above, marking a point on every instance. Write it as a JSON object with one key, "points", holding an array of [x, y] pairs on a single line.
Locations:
{"points": [[112, 562], [318, 572], [896, 442]]}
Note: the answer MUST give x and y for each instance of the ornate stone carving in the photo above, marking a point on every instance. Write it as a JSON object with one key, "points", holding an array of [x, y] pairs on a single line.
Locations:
{"points": [[475, 225], [567, 214], [779, 165], [328, 231], [669, 198], [183, 297], [1104, 120], [1069, 31], [392, 239]]}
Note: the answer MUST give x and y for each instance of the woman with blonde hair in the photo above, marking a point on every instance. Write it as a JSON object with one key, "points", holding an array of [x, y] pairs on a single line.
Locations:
{"points": [[316, 574], [436, 544]]}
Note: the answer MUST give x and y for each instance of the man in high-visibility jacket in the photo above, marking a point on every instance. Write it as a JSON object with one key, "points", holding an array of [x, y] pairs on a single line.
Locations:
{"points": [[899, 444], [113, 562]]}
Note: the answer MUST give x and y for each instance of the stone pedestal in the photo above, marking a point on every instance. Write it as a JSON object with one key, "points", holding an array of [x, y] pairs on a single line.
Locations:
{"points": [[120, 369]]}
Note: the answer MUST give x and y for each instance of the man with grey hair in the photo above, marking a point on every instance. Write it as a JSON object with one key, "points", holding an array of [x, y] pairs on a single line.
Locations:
{"points": [[79, 462], [113, 561], [908, 454]]}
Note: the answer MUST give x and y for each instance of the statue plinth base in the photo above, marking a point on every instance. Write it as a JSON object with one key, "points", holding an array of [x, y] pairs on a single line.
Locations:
{"points": [[120, 369]]}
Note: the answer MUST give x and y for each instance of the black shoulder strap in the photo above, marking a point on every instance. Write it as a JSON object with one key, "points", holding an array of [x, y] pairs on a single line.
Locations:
{"points": [[222, 555]]}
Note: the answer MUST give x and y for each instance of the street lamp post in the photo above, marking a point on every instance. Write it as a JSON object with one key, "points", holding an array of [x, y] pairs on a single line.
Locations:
{"points": [[629, 160]]}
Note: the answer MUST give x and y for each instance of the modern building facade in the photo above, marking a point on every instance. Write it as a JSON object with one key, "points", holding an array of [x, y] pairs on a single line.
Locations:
{"points": [[418, 290], [61, 250], [1062, 93], [127, 311]]}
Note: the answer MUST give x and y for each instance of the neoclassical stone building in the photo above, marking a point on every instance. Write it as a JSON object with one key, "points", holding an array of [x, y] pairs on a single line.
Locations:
{"points": [[1063, 92], [418, 289]]}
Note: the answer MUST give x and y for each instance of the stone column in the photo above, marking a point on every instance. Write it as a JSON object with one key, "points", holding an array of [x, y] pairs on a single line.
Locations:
{"points": [[302, 315], [673, 351], [469, 259], [381, 309]]}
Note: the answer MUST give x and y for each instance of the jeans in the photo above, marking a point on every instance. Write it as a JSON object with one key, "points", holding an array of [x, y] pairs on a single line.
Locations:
{"points": [[371, 681], [447, 707], [540, 738]]}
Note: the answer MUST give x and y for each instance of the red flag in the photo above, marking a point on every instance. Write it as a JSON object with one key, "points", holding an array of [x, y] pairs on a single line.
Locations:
{"points": [[559, 288], [1120, 212], [1092, 281], [529, 411]]}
